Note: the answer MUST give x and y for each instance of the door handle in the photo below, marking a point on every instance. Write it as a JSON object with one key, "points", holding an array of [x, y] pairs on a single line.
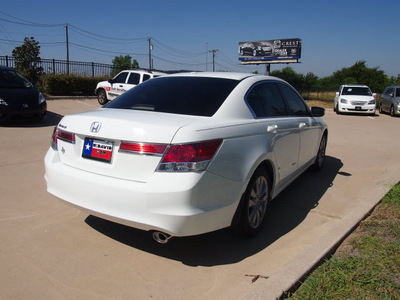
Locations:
{"points": [[302, 125], [272, 128]]}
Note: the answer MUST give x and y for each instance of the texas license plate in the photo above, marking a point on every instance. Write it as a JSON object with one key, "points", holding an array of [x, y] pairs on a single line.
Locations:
{"points": [[97, 149]]}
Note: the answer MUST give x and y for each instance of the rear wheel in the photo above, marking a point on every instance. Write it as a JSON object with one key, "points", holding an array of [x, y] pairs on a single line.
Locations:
{"points": [[102, 97], [319, 159], [250, 215]]}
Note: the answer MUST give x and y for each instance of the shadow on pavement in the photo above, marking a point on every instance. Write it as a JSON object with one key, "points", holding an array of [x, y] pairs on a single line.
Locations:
{"points": [[221, 247], [51, 119]]}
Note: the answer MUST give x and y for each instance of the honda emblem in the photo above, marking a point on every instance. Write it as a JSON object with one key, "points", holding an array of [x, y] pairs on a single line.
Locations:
{"points": [[95, 127]]}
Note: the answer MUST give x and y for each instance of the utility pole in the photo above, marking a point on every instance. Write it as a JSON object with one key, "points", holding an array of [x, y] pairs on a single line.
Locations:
{"points": [[150, 47], [206, 56], [66, 36], [213, 54]]}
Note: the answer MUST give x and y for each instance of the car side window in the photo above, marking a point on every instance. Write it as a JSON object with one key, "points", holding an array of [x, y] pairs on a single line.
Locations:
{"points": [[265, 100], [134, 78], [146, 77], [397, 92], [121, 77], [386, 91], [297, 106]]}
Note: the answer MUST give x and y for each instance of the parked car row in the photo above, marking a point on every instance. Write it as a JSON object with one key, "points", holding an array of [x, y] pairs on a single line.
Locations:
{"points": [[189, 153], [359, 99]]}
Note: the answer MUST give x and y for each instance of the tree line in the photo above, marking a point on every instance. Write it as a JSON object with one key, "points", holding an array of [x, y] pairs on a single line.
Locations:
{"points": [[359, 73], [27, 57]]}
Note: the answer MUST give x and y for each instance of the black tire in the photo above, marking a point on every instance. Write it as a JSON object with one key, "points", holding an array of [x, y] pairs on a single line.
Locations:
{"points": [[337, 110], [319, 159], [392, 111], [41, 115], [102, 97], [250, 214], [380, 108]]}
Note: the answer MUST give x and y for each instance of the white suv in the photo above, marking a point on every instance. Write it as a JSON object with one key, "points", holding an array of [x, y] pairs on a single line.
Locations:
{"points": [[354, 99], [125, 80]]}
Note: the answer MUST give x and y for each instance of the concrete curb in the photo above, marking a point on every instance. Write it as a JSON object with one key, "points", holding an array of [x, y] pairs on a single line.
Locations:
{"points": [[51, 98]]}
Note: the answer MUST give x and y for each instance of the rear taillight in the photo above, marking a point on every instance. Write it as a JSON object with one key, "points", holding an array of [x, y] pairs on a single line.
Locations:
{"points": [[54, 139], [62, 135], [189, 157], [193, 157], [143, 148]]}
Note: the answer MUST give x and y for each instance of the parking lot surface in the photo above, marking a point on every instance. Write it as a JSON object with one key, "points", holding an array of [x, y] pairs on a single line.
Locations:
{"points": [[50, 250]]}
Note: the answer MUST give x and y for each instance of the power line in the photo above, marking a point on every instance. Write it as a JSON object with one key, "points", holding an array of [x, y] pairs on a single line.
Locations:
{"points": [[107, 38], [162, 47], [177, 52], [102, 50], [27, 23]]}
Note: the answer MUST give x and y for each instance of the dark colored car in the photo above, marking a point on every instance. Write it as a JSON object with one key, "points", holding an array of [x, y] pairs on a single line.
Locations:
{"points": [[18, 97]]}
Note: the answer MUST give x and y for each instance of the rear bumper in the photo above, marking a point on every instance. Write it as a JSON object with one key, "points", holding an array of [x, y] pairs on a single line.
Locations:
{"points": [[177, 204]]}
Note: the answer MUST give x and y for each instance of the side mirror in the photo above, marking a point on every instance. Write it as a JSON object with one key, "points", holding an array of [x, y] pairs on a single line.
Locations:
{"points": [[374, 95], [337, 93], [317, 111]]}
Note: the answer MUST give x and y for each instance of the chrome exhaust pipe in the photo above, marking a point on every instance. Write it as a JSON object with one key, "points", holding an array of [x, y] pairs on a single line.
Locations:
{"points": [[161, 237]]}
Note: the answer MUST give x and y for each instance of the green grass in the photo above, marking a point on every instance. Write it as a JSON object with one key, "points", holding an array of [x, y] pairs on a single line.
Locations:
{"points": [[367, 264]]}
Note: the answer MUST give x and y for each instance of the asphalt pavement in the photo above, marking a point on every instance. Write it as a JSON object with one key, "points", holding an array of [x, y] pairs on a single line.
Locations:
{"points": [[50, 250]]}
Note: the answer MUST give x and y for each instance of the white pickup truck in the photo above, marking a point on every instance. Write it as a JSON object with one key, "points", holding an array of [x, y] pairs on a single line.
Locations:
{"points": [[125, 80]]}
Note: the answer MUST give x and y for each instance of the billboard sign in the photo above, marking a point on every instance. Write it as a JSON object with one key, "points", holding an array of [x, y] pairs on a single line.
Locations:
{"points": [[270, 51]]}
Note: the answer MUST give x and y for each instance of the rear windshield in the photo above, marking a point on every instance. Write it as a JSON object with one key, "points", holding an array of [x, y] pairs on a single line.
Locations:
{"points": [[10, 79], [357, 91], [198, 96]]}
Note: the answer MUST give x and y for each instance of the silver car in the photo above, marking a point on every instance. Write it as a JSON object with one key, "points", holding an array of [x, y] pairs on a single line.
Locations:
{"points": [[390, 101]]}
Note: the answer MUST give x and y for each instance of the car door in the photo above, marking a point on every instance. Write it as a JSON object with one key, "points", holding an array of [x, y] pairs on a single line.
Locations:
{"points": [[384, 99], [133, 80], [389, 95], [308, 127], [118, 85], [281, 132]]}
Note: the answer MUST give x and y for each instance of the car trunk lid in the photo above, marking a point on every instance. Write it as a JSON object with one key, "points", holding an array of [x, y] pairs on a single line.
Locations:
{"points": [[98, 137]]}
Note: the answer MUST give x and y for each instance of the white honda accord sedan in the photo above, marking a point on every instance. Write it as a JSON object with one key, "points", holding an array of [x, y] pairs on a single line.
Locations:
{"points": [[187, 154]]}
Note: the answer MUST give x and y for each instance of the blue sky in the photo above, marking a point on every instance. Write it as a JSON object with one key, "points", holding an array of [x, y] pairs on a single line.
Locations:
{"points": [[335, 34]]}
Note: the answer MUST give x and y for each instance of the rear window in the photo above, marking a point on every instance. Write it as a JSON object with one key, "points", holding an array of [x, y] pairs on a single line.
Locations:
{"points": [[198, 96]]}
